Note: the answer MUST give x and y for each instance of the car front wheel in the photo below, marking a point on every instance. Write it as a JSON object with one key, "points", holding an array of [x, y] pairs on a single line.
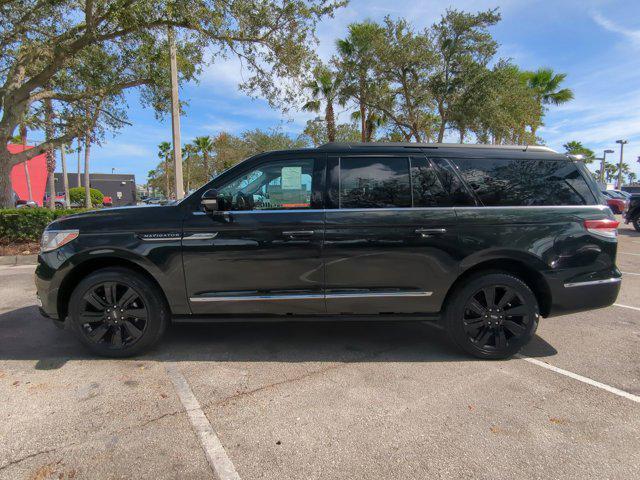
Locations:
{"points": [[492, 316], [117, 312]]}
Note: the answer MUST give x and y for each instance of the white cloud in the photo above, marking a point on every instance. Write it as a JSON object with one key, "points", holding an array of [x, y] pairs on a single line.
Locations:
{"points": [[628, 33]]}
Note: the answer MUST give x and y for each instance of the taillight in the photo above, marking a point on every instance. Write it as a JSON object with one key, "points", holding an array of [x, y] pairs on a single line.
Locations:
{"points": [[604, 228]]}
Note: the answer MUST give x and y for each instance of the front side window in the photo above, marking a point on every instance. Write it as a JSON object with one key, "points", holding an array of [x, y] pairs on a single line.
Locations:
{"points": [[284, 184], [374, 182], [525, 182]]}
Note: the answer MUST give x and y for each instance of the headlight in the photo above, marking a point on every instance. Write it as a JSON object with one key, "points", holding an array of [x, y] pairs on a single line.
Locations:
{"points": [[52, 239]]}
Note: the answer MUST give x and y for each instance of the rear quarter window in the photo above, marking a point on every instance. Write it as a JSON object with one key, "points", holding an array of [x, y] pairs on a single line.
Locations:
{"points": [[525, 182]]}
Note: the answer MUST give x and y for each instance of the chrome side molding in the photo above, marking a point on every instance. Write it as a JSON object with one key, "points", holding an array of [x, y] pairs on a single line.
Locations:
{"points": [[593, 282], [309, 296]]}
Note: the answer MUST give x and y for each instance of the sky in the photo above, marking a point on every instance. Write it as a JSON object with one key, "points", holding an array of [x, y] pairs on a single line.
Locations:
{"points": [[595, 42]]}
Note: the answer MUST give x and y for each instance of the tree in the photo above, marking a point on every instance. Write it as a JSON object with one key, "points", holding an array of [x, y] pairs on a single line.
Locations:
{"points": [[324, 87], [41, 41], [315, 132], [164, 153], [576, 148], [632, 177], [204, 146], [545, 85], [356, 62], [460, 40], [404, 63]]}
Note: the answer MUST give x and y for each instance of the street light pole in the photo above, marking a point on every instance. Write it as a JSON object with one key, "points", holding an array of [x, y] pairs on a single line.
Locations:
{"points": [[175, 117], [622, 144], [604, 164]]}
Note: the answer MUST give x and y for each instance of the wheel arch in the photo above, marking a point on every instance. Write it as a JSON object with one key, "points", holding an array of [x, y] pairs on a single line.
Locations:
{"points": [[523, 270], [82, 270]]}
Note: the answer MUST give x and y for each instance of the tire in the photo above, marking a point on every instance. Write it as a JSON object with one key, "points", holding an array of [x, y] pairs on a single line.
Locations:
{"points": [[635, 221], [141, 314], [485, 328]]}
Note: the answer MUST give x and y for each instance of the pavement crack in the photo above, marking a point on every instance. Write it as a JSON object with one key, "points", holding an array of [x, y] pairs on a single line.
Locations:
{"points": [[27, 457]]}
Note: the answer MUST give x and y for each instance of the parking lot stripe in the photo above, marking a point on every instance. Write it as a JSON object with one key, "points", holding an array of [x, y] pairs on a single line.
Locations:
{"points": [[213, 449], [580, 378], [629, 273], [626, 306], [629, 253]]}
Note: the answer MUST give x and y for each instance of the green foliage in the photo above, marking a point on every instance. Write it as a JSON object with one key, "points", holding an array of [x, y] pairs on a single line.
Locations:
{"points": [[576, 148], [76, 196], [27, 224]]}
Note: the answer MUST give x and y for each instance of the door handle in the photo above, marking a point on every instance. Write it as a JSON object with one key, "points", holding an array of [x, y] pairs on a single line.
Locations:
{"points": [[430, 232], [298, 233]]}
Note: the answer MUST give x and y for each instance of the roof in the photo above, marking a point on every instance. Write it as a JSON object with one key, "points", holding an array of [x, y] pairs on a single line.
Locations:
{"points": [[451, 146]]}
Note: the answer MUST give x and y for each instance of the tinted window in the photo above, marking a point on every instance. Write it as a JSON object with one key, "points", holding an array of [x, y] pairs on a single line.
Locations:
{"points": [[427, 188], [504, 182], [374, 182], [276, 185], [456, 191]]}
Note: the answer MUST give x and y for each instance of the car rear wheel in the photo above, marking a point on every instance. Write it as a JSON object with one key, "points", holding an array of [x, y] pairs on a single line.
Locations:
{"points": [[117, 312], [492, 316], [635, 221]]}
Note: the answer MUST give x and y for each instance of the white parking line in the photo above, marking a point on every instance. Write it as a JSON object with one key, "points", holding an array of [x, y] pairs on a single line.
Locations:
{"points": [[213, 449], [630, 273], [626, 306], [580, 378], [628, 253]]}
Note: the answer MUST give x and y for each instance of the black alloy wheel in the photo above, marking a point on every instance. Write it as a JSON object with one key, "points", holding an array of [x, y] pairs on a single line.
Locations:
{"points": [[113, 314], [492, 315], [495, 316], [117, 312]]}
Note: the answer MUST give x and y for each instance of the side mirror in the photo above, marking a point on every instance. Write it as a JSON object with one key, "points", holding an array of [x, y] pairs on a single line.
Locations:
{"points": [[209, 201]]}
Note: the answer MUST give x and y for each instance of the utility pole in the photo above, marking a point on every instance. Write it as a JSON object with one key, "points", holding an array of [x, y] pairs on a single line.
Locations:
{"points": [[622, 144], [603, 165], [175, 117]]}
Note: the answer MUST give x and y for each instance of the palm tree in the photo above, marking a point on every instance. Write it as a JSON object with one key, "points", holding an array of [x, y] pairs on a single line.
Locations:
{"points": [[205, 146], [545, 84], [324, 87], [164, 153], [188, 152]]}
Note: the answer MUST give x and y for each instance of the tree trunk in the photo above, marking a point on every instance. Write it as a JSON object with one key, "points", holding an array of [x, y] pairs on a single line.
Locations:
{"points": [[51, 159], [166, 177], [23, 138], [331, 122], [462, 134], [6, 191], [65, 179], [175, 118], [87, 187], [188, 162], [363, 122], [443, 124], [79, 168]]}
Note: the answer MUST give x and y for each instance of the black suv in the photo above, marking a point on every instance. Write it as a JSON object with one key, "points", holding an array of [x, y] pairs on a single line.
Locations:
{"points": [[485, 239]]}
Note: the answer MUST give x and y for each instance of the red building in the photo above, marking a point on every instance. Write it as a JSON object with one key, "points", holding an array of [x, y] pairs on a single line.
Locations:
{"points": [[37, 173]]}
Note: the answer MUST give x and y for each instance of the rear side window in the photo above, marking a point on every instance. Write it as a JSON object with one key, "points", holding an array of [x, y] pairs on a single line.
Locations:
{"points": [[522, 182], [374, 182], [426, 186]]}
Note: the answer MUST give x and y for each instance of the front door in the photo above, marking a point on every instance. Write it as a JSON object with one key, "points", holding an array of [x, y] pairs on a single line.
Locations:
{"points": [[261, 253], [391, 243]]}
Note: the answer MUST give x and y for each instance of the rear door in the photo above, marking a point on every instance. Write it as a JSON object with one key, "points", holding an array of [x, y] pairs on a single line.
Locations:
{"points": [[391, 244]]}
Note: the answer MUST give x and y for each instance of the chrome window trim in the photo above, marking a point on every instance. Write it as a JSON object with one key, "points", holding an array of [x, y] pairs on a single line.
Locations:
{"points": [[593, 282], [307, 296], [396, 209]]}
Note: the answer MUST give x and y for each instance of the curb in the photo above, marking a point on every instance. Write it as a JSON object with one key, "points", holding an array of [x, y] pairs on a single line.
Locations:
{"points": [[13, 260]]}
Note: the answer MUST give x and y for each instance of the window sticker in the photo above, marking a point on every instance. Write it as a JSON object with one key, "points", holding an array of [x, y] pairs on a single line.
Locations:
{"points": [[291, 178]]}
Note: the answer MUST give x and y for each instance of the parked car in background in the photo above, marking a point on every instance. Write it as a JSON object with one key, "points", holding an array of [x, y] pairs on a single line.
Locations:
{"points": [[633, 212], [484, 239], [617, 202], [59, 200], [627, 195], [107, 201], [20, 203]]}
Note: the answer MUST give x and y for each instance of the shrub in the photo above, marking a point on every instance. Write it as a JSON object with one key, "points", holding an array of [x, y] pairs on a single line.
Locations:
{"points": [[27, 224], [76, 196]]}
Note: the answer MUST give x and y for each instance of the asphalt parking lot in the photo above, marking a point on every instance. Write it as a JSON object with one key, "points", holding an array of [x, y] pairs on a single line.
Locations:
{"points": [[306, 401]]}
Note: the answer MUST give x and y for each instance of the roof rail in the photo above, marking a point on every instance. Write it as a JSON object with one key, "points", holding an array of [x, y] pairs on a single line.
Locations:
{"points": [[353, 145]]}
